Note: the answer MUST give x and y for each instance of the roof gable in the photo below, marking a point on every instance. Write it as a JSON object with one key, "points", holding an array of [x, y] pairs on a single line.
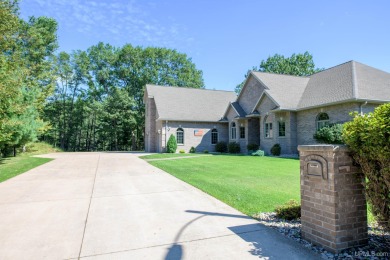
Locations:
{"points": [[284, 90], [249, 94]]}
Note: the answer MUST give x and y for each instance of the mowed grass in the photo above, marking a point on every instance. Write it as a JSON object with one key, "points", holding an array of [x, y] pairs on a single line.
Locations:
{"points": [[13, 166], [247, 183], [171, 155]]}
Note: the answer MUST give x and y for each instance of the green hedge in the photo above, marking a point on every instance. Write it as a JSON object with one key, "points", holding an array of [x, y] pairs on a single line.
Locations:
{"points": [[368, 137], [221, 147], [276, 150], [234, 147], [331, 134]]}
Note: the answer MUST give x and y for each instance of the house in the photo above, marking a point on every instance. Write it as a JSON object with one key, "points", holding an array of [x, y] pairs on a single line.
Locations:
{"points": [[270, 109]]}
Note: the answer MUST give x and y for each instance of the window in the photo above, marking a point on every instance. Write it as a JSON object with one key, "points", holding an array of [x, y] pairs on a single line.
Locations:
{"points": [[214, 136], [268, 133], [322, 120], [242, 132], [180, 136], [233, 133], [282, 128]]}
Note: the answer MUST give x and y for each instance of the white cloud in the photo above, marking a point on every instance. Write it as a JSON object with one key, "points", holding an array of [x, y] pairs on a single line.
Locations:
{"points": [[122, 21]]}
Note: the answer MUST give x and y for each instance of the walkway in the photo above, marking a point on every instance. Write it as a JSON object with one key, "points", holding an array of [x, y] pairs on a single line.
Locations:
{"points": [[115, 205]]}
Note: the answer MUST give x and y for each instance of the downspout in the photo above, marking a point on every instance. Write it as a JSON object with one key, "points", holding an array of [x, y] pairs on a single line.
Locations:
{"points": [[166, 130], [361, 108]]}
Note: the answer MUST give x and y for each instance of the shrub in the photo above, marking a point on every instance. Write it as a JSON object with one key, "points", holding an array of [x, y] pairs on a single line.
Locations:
{"points": [[252, 147], [192, 149], [258, 153], [276, 150], [368, 137], [289, 211], [331, 134], [171, 145], [234, 147], [206, 151], [221, 147], [182, 151]]}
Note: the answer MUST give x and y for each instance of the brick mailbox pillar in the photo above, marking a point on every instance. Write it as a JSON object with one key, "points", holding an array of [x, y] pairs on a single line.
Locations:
{"points": [[334, 213]]}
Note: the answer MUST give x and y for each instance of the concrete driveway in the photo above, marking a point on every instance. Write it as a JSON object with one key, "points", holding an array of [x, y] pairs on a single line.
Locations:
{"points": [[117, 206]]}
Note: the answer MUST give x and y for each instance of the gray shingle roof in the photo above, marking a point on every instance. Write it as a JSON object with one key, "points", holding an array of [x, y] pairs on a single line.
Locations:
{"points": [[190, 104], [371, 83], [240, 111], [285, 90], [329, 86], [346, 82]]}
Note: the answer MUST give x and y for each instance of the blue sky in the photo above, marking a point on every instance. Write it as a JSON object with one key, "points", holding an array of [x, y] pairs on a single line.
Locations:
{"points": [[226, 38]]}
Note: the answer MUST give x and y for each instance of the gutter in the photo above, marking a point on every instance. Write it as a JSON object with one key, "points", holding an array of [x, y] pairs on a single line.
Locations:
{"points": [[189, 120], [375, 101]]}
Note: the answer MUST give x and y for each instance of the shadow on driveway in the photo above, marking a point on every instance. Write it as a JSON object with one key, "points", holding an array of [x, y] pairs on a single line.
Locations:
{"points": [[246, 232]]}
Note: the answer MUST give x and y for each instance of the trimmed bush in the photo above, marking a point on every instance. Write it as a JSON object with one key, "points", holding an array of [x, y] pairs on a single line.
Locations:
{"points": [[192, 149], [206, 151], [332, 134], [368, 138], [289, 211], [252, 147], [276, 150], [234, 147], [258, 153], [221, 147], [172, 144], [182, 151]]}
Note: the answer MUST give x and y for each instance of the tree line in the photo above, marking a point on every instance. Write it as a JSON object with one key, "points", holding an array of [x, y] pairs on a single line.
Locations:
{"points": [[85, 100], [98, 100]]}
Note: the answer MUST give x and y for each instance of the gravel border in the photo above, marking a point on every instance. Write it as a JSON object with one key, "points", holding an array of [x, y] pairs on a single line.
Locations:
{"points": [[378, 240]]}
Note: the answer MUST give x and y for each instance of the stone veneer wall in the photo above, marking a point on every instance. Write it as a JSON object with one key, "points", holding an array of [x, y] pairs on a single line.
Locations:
{"points": [[334, 213], [306, 119], [151, 135], [200, 143], [248, 98]]}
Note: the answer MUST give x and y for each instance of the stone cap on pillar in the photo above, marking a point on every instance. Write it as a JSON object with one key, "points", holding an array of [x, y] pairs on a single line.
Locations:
{"points": [[323, 147]]}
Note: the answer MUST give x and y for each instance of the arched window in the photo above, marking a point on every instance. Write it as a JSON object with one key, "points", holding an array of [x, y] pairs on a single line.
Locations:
{"points": [[322, 120], [180, 136], [233, 132], [214, 136], [268, 132]]}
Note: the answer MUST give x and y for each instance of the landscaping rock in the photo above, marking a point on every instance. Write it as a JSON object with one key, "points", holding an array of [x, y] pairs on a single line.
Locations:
{"points": [[378, 240]]}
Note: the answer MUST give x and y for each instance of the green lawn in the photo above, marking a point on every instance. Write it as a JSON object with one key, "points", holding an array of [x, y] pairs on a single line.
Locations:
{"points": [[247, 183], [13, 166], [171, 155]]}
